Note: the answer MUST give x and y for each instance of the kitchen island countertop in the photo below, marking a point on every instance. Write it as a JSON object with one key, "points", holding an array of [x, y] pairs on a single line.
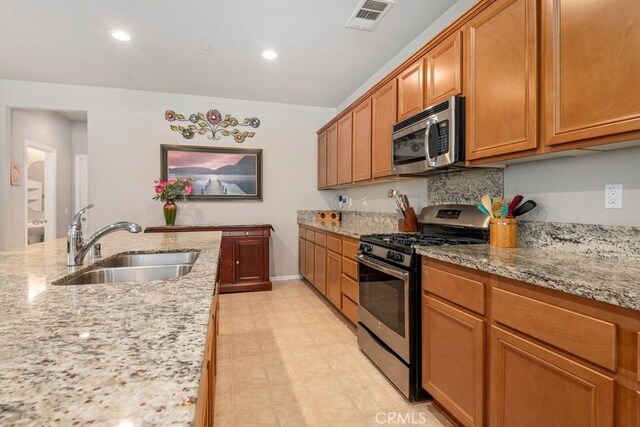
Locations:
{"points": [[110, 354]]}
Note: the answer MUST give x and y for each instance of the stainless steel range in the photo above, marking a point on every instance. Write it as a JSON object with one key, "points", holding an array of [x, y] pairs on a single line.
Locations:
{"points": [[389, 272]]}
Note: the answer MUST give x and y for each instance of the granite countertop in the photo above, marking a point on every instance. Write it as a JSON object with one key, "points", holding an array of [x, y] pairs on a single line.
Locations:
{"points": [[345, 229], [205, 227], [111, 354], [614, 282]]}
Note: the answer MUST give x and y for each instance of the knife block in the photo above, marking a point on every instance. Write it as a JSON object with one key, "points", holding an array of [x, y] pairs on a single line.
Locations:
{"points": [[410, 222]]}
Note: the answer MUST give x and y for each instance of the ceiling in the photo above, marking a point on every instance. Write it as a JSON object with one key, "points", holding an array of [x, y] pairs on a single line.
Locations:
{"points": [[321, 62]]}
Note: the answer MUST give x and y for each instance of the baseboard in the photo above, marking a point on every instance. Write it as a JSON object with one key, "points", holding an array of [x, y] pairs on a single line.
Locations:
{"points": [[282, 278]]}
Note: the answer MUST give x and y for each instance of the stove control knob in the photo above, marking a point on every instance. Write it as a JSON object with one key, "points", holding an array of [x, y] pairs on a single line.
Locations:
{"points": [[398, 257], [365, 248], [390, 255]]}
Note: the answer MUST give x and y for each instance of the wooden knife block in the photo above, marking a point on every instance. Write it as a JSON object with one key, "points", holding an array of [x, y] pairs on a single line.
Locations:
{"points": [[410, 223]]}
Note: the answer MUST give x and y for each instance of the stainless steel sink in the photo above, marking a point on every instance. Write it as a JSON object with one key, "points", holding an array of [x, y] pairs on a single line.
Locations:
{"points": [[128, 274], [136, 268], [143, 260]]}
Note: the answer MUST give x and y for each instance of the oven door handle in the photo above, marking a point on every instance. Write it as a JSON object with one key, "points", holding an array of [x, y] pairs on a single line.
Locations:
{"points": [[395, 272]]}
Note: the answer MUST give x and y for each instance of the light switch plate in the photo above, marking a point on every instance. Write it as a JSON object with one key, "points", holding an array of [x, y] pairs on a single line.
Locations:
{"points": [[613, 196]]}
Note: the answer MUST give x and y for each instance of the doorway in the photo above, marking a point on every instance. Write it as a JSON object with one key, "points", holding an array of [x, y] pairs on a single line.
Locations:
{"points": [[39, 192]]}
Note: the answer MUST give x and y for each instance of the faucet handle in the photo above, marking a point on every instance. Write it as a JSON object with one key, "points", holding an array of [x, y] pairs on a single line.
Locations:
{"points": [[75, 221]]}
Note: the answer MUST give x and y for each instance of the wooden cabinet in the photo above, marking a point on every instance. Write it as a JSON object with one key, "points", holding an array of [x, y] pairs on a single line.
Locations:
{"points": [[534, 386], [591, 67], [322, 160], [345, 133], [443, 69], [501, 80], [411, 90], [309, 253], [301, 257], [453, 359], [244, 250], [384, 115], [334, 272], [320, 266], [362, 141], [332, 155], [207, 391]]}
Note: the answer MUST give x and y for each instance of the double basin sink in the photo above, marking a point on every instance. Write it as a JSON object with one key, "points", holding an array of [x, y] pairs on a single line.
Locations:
{"points": [[128, 267]]}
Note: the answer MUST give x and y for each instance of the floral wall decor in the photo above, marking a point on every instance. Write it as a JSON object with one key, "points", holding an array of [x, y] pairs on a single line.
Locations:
{"points": [[212, 124]]}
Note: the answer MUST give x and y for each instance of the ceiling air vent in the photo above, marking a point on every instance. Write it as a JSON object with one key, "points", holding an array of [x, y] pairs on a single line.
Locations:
{"points": [[368, 14]]}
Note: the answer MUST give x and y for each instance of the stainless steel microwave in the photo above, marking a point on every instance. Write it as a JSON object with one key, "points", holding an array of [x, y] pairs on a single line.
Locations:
{"points": [[431, 140]]}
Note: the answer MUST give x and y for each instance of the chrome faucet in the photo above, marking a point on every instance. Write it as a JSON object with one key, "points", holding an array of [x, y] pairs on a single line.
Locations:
{"points": [[77, 247]]}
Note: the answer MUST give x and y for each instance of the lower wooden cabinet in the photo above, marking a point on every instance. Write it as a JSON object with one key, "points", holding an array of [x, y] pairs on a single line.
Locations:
{"points": [[301, 257], [309, 255], [320, 265], [453, 360], [207, 392], [334, 272], [535, 386]]}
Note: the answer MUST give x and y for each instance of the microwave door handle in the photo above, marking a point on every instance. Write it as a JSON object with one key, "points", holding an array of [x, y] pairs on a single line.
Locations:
{"points": [[427, 142]]}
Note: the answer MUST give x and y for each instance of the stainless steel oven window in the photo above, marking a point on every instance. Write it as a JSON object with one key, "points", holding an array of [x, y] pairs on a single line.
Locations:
{"points": [[409, 147]]}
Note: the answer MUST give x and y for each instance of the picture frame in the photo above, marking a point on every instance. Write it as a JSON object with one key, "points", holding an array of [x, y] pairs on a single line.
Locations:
{"points": [[218, 173], [16, 174]]}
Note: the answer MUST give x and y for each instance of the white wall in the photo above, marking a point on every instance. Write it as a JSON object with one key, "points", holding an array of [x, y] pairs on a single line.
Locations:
{"points": [[571, 189], [449, 16], [373, 198], [125, 130], [53, 130]]}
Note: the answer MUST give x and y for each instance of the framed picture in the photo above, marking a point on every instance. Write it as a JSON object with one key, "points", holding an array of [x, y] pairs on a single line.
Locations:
{"points": [[218, 173], [16, 174]]}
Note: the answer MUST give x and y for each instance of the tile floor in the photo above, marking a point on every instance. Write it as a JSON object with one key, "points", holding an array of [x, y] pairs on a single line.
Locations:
{"points": [[286, 358]]}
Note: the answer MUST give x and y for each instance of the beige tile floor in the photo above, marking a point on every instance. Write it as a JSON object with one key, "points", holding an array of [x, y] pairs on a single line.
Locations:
{"points": [[286, 358]]}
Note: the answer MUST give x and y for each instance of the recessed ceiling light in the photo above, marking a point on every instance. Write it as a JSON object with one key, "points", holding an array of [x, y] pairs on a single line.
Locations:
{"points": [[120, 35], [269, 54]]}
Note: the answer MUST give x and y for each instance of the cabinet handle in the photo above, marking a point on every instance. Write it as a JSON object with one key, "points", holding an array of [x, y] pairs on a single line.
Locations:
{"points": [[246, 232], [237, 262]]}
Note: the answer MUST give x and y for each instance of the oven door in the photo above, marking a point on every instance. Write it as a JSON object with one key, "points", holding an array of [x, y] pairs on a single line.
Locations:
{"points": [[384, 304]]}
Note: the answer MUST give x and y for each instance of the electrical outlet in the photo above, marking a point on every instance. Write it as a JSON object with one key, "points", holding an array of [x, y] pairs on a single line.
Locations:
{"points": [[613, 196], [364, 201]]}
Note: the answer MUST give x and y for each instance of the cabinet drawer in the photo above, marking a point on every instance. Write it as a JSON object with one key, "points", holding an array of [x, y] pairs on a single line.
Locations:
{"points": [[309, 235], [589, 338], [302, 233], [350, 309], [463, 291], [239, 233], [334, 244], [350, 267], [349, 248], [320, 239], [349, 287]]}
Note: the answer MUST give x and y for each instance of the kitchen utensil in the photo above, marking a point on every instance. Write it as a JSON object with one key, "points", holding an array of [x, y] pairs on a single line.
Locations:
{"points": [[401, 214], [486, 203], [513, 205], [505, 210], [484, 210], [405, 200], [496, 208], [524, 208]]}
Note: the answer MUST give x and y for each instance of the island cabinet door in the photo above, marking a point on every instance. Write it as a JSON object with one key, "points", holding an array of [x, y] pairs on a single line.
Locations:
{"points": [[534, 386], [248, 253], [591, 69], [453, 360], [227, 263]]}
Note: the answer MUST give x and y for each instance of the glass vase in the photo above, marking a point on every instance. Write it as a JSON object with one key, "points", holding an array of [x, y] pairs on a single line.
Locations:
{"points": [[170, 210]]}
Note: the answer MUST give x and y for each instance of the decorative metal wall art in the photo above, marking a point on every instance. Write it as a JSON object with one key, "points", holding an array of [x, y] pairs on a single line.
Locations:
{"points": [[212, 124]]}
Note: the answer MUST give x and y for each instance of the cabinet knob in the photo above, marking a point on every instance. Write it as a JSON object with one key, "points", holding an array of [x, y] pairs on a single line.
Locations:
{"points": [[246, 232], [237, 262]]}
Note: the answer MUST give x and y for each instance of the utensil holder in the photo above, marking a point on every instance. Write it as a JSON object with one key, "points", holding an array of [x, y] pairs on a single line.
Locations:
{"points": [[410, 222], [503, 232]]}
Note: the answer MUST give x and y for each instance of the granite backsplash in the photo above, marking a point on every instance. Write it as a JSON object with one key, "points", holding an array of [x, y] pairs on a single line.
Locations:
{"points": [[465, 187]]}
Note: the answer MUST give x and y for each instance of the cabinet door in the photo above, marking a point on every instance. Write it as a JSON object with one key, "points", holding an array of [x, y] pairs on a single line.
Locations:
{"points": [[320, 274], [453, 360], [332, 155], [345, 132], [410, 91], [383, 111], [444, 70], [248, 257], [501, 83], [308, 255], [227, 263], [362, 141], [301, 258], [322, 160], [534, 386], [334, 267], [591, 69]]}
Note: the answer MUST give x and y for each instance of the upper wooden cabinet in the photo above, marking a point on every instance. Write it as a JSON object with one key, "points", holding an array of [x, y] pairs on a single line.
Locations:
{"points": [[362, 141], [332, 155], [591, 69], [384, 116], [443, 68], [501, 79], [410, 90], [322, 160], [345, 133]]}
